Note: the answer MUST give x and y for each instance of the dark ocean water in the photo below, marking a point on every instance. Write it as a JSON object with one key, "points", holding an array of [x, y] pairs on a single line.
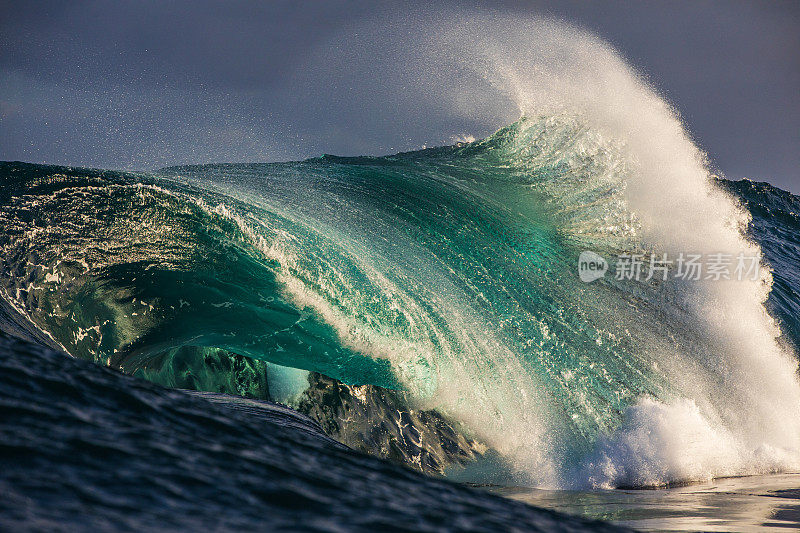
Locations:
{"points": [[312, 345], [85, 448], [775, 226]]}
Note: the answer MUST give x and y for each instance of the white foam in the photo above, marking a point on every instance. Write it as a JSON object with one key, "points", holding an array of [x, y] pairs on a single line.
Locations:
{"points": [[660, 443], [733, 405], [747, 384]]}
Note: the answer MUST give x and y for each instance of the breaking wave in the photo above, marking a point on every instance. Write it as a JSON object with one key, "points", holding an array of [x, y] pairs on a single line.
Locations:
{"points": [[443, 283]]}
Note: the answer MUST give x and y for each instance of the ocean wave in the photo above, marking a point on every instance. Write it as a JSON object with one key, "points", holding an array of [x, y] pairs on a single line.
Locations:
{"points": [[447, 274]]}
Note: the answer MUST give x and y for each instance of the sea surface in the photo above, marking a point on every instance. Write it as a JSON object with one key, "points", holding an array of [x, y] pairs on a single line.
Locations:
{"points": [[399, 342]]}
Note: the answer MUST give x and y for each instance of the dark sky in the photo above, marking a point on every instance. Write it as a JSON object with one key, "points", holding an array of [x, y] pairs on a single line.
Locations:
{"points": [[140, 85]]}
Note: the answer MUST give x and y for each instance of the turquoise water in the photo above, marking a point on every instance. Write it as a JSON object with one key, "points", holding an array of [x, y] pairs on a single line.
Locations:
{"points": [[448, 275], [427, 308]]}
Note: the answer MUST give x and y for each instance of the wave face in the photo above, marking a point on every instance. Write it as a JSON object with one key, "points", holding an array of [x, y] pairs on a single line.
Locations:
{"points": [[448, 275]]}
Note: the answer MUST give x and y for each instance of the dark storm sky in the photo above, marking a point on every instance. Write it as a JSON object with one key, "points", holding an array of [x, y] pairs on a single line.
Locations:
{"points": [[141, 85]]}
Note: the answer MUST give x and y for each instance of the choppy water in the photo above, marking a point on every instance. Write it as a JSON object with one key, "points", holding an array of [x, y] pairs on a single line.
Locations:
{"points": [[85, 448]]}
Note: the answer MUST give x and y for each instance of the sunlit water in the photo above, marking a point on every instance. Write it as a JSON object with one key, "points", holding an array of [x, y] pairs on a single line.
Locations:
{"points": [[752, 503]]}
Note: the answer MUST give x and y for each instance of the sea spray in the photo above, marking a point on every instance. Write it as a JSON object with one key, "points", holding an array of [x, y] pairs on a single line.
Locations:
{"points": [[448, 273]]}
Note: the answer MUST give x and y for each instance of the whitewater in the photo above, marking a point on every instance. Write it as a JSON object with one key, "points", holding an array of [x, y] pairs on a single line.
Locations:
{"points": [[446, 276]]}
